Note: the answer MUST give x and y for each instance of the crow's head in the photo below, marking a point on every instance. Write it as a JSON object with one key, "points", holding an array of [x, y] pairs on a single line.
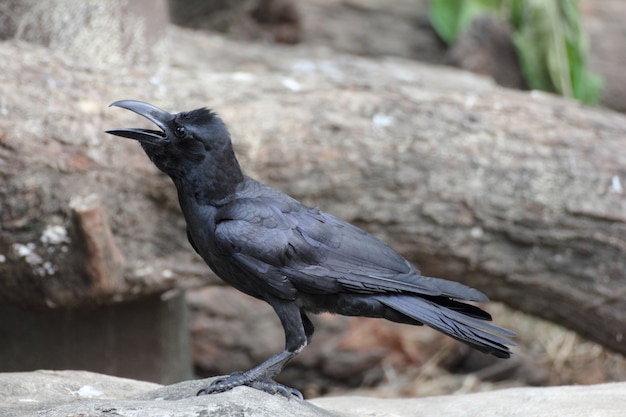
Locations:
{"points": [[188, 143]]}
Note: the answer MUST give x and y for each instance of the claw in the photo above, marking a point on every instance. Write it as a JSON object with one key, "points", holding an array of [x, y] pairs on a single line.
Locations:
{"points": [[273, 387], [237, 379]]}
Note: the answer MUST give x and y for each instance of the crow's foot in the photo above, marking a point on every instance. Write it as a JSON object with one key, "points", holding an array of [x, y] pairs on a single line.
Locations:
{"points": [[237, 379]]}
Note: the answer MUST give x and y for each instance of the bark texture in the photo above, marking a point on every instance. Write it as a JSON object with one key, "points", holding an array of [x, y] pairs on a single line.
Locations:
{"points": [[115, 32], [518, 194]]}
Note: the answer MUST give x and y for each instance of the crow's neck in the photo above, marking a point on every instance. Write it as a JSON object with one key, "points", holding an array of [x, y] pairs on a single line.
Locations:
{"points": [[211, 183]]}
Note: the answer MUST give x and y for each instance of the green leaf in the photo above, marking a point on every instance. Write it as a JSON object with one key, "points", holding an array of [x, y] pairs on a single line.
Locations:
{"points": [[452, 17], [552, 49], [445, 16], [548, 36]]}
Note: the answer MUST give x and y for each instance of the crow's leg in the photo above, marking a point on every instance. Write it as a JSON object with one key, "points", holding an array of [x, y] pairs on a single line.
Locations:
{"points": [[259, 377], [308, 327], [262, 376]]}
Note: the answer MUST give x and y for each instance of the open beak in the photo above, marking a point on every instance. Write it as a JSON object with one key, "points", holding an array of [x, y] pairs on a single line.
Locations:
{"points": [[157, 116]]}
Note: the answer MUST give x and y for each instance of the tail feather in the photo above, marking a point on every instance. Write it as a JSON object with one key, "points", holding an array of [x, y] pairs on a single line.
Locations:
{"points": [[449, 317]]}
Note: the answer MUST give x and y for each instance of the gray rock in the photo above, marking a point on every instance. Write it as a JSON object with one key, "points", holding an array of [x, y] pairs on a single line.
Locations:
{"points": [[27, 392], [602, 400], [79, 393]]}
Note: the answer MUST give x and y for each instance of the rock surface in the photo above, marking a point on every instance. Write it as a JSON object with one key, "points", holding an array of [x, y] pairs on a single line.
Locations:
{"points": [[602, 400], [85, 394]]}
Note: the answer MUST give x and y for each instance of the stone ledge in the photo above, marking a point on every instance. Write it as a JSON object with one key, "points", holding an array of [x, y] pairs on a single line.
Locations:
{"points": [[63, 393]]}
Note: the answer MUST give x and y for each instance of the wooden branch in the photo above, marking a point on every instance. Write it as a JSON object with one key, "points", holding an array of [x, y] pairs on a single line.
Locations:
{"points": [[104, 263]]}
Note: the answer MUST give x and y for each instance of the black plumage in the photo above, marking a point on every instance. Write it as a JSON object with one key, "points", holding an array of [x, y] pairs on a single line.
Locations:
{"points": [[298, 259]]}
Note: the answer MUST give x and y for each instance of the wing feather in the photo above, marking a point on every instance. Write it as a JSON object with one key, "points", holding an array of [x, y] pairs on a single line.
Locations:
{"points": [[319, 253]]}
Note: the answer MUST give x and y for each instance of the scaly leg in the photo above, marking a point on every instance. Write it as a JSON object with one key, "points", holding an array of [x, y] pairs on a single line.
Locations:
{"points": [[260, 377], [298, 330]]}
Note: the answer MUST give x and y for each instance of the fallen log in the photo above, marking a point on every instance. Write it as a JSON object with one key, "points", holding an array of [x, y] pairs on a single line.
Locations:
{"points": [[518, 194]]}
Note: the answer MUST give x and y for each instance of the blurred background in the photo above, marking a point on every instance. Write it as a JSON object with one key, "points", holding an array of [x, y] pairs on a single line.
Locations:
{"points": [[482, 139]]}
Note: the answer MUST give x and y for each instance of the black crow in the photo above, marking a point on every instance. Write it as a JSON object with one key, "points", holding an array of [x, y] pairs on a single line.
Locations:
{"points": [[298, 259]]}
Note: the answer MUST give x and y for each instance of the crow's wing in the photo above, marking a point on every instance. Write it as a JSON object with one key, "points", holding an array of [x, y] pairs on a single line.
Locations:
{"points": [[362, 263], [294, 246], [253, 236]]}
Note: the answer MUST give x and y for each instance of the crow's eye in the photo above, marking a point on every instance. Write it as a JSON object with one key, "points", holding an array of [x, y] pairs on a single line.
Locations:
{"points": [[180, 131]]}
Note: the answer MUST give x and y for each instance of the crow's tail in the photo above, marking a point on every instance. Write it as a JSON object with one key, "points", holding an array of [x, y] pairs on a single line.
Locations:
{"points": [[464, 322]]}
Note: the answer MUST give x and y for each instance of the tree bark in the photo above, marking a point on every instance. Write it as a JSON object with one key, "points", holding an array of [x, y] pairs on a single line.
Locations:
{"points": [[115, 32], [518, 194]]}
